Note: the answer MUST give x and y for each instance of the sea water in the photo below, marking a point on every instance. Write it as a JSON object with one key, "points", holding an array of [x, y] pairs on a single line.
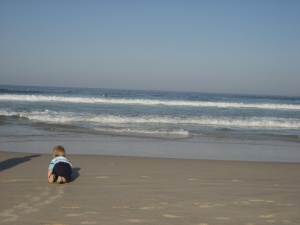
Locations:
{"points": [[36, 114]]}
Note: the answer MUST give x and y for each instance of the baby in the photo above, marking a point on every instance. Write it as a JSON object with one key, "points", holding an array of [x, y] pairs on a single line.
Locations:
{"points": [[60, 168]]}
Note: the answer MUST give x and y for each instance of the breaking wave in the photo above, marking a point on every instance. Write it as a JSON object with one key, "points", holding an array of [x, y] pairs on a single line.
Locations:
{"points": [[179, 103], [48, 116]]}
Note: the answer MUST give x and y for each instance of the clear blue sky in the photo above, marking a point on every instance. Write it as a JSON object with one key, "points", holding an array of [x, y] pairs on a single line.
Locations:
{"points": [[230, 46]]}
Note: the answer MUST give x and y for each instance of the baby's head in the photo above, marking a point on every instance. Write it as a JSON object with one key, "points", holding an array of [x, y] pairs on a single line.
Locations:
{"points": [[59, 151]]}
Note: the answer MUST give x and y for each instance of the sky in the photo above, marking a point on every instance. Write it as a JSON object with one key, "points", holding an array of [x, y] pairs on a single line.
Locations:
{"points": [[222, 46]]}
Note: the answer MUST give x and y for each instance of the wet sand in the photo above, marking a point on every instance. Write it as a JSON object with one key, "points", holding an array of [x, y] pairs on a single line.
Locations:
{"points": [[112, 190]]}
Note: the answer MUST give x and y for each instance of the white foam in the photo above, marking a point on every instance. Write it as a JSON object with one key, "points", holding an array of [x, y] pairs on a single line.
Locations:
{"points": [[180, 132], [42, 98], [65, 117]]}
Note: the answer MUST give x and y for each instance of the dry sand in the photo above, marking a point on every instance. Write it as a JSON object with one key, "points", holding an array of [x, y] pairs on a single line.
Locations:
{"points": [[112, 190]]}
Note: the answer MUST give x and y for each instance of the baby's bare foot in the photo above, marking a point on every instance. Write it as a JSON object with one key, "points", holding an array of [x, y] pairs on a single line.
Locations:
{"points": [[61, 180]]}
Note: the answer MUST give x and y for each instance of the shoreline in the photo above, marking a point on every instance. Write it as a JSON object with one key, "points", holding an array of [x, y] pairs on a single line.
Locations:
{"points": [[142, 190], [207, 149]]}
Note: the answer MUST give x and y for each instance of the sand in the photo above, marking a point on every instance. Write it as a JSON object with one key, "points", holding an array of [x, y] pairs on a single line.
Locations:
{"points": [[112, 190]]}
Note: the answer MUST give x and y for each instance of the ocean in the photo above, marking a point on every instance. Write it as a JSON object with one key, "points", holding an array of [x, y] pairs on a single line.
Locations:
{"points": [[35, 114]]}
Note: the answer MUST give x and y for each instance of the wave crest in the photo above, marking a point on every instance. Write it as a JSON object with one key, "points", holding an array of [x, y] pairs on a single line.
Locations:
{"points": [[227, 122], [178, 103]]}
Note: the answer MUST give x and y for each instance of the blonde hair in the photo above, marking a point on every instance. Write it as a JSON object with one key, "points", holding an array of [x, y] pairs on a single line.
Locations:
{"points": [[59, 151]]}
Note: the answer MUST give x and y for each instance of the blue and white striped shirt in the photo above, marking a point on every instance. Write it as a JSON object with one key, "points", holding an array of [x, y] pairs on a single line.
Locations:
{"points": [[57, 160]]}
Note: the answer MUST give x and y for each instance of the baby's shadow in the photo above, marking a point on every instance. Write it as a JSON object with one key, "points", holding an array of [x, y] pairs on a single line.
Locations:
{"points": [[75, 173]]}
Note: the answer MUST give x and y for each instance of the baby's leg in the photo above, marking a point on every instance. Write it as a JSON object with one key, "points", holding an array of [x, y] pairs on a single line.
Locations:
{"points": [[63, 172]]}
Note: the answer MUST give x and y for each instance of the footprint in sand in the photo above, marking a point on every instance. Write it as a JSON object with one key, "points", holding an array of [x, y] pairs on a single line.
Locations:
{"points": [[202, 204], [88, 222], [223, 218], [18, 180], [237, 181], [74, 214], [245, 202], [192, 179], [208, 205], [9, 216], [170, 216], [121, 207], [261, 200], [256, 200], [35, 199], [55, 224], [147, 177], [44, 197], [135, 221], [147, 208], [267, 216], [92, 213], [102, 177], [70, 207]]}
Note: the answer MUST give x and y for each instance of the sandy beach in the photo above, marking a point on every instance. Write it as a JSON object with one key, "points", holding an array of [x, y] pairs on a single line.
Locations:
{"points": [[111, 190]]}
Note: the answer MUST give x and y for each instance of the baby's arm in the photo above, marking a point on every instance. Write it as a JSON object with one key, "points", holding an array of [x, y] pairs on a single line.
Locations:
{"points": [[50, 179], [50, 169], [49, 172]]}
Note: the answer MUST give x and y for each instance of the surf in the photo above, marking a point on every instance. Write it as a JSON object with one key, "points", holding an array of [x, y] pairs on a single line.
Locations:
{"points": [[146, 102], [48, 116]]}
